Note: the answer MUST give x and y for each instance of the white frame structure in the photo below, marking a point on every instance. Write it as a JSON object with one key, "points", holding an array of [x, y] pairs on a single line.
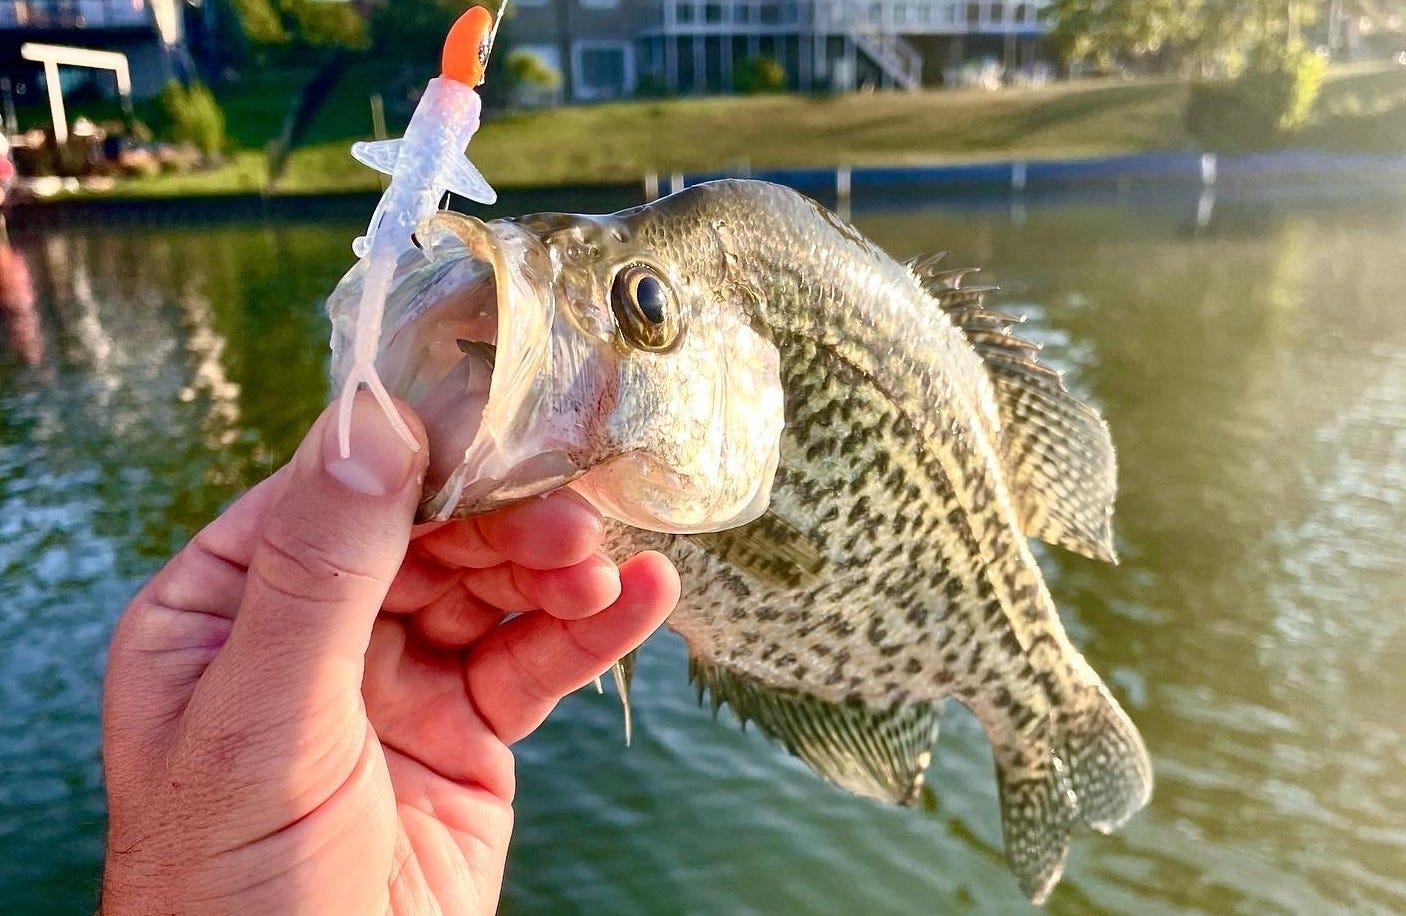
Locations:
{"points": [[53, 56]]}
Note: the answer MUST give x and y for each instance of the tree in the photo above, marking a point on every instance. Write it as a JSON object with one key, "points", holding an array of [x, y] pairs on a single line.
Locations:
{"points": [[306, 23], [1204, 37]]}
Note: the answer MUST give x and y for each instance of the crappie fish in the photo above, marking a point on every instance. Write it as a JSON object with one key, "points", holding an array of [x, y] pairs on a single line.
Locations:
{"points": [[844, 456]]}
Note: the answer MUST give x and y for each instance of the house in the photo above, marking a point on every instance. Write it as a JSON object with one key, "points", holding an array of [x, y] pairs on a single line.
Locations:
{"points": [[615, 48], [149, 32]]}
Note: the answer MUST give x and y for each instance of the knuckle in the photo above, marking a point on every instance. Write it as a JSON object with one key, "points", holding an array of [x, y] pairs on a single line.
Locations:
{"points": [[295, 566]]}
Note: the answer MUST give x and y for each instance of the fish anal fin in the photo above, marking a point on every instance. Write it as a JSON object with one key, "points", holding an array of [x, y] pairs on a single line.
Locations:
{"points": [[769, 549], [1057, 451], [878, 753], [380, 155]]}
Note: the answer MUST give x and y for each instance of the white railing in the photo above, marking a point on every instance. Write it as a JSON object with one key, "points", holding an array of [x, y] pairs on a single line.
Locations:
{"points": [[735, 17], [927, 17], [74, 14]]}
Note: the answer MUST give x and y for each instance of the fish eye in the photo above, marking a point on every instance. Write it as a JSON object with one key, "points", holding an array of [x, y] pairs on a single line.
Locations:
{"points": [[644, 309]]}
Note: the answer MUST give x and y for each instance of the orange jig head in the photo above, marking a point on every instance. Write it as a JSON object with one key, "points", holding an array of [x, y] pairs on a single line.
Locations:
{"points": [[467, 46]]}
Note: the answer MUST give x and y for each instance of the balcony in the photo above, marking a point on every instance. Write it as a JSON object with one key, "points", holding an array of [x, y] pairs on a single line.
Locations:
{"points": [[838, 17], [56, 15]]}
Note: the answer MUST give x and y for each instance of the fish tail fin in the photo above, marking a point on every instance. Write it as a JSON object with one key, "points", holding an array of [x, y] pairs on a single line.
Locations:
{"points": [[1109, 769], [1038, 812]]}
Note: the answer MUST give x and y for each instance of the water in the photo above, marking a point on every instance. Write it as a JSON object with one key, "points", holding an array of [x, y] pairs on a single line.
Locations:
{"points": [[1254, 374]]}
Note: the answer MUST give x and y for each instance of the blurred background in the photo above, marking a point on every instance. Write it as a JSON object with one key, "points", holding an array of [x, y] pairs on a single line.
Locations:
{"points": [[1201, 208]]}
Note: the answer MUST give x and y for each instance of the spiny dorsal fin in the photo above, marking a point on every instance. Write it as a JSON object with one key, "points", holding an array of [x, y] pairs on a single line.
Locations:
{"points": [[1057, 449], [770, 549], [877, 753]]}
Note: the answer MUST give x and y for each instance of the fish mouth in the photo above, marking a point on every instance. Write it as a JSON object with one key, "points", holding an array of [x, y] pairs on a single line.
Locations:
{"points": [[467, 339]]}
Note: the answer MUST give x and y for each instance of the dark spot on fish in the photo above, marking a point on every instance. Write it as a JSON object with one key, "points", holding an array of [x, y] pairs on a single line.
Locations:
{"points": [[914, 666], [890, 651], [786, 661], [840, 627], [800, 672], [917, 615], [885, 668], [820, 649], [1001, 699]]}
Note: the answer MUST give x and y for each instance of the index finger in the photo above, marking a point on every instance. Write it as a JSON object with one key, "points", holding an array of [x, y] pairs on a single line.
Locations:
{"points": [[554, 532]]}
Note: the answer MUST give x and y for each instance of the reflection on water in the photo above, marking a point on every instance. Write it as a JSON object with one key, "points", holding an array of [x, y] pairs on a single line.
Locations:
{"points": [[1250, 355]]}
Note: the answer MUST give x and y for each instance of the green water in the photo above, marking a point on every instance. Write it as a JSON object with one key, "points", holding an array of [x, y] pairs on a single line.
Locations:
{"points": [[1253, 372]]}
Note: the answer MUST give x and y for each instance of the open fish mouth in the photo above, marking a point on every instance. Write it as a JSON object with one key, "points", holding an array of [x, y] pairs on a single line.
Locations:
{"points": [[467, 337]]}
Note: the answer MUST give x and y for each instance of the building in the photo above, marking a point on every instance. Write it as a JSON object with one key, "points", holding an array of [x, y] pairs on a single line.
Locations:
{"points": [[149, 32], [616, 48]]}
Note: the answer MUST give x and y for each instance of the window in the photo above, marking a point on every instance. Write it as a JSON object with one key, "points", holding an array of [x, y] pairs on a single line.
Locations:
{"points": [[997, 13], [602, 69], [973, 15]]}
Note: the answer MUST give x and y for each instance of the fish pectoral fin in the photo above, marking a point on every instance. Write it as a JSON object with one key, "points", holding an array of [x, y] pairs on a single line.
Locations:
{"points": [[876, 753], [1055, 448], [463, 178], [623, 673], [380, 155], [769, 549]]}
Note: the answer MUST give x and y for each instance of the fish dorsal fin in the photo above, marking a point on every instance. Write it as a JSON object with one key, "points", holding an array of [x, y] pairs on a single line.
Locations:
{"points": [[770, 549], [1056, 448], [877, 753]]}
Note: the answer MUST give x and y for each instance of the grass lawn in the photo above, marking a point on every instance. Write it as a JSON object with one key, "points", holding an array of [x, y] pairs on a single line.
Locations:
{"points": [[1360, 109]]}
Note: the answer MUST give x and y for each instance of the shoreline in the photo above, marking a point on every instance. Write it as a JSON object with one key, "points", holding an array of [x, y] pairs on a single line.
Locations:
{"points": [[836, 184]]}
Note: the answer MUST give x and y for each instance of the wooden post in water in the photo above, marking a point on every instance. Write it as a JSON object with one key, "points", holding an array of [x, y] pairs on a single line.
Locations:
{"points": [[651, 187], [378, 116], [844, 187]]}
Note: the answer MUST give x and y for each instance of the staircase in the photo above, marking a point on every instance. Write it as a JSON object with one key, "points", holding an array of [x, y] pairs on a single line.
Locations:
{"points": [[896, 58]]}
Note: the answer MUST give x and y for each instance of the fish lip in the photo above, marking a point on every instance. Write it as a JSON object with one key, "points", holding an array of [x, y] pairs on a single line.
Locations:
{"points": [[503, 464]]}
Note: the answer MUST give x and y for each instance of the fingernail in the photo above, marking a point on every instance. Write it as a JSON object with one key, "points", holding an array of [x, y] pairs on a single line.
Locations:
{"points": [[380, 462]]}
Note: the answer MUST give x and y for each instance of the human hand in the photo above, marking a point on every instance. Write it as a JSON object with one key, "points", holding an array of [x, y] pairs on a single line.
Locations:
{"points": [[300, 715]]}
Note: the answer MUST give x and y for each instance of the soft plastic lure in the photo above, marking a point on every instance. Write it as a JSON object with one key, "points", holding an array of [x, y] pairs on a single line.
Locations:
{"points": [[428, 161]]}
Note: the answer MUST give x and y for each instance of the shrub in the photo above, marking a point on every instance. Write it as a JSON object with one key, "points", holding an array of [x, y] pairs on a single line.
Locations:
{"points": [[193, 116], [528, 69], [759, 74], [1271, 97]]}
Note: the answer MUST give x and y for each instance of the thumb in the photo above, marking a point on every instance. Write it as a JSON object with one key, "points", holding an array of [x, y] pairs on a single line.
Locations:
{"points": [[325, 558]]}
